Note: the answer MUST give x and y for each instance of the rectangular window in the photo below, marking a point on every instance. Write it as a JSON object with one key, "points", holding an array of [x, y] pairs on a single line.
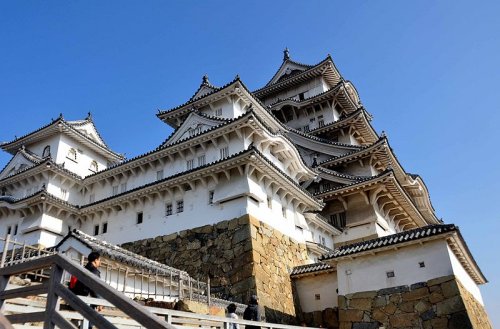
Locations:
{"points": [[180, 206], [104, 227], [168, 209], [123, 187], [269, 202], [190, 164], [224, 152], [210, 197], [64, 193], [92, 198], [390, 274], [69, 228], [321, 121], [139, 217], [283, 211], [218, 112], [317, 296], [15, 229], [326, 186], [338, 220], [305, 128], [96, 230], [28, 191], [159, 175], [301, 97], [9, 229], [115, 190], [420, 264], [201, 160]]}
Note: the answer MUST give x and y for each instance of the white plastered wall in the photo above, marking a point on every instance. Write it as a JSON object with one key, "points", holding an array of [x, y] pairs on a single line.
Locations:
{"points": [[322, 286], [464, 277]]}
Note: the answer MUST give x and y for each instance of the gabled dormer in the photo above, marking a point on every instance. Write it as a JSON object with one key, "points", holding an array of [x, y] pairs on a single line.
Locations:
{"points": [[294, 80], [21, 161], [195, 124], [76, 145]]}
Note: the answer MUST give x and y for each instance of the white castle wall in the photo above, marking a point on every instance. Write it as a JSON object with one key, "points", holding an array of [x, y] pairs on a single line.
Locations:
{"points": [[464, 277], [324, 286], [404, 262]]}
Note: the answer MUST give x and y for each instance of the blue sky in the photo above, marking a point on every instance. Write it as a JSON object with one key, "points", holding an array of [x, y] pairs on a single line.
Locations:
{"points": [[428, 71]]}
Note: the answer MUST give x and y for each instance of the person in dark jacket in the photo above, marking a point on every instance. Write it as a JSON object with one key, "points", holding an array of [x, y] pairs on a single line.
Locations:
{"points": [[252, 312], [93, 263]]}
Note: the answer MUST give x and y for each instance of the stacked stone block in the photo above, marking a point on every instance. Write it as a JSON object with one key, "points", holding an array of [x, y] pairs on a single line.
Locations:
{"points": [[242, 256], [435, 304]]}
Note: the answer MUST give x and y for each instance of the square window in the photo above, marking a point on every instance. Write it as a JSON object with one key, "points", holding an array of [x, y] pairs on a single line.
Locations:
{"points": [[96, 230], [168, 209], [159, 175], [180, 206], [140, 217], [390, 274], [104, 227], [421, 264], [317, 296]]}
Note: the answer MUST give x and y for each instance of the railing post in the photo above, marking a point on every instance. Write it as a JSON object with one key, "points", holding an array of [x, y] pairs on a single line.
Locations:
{"points": [[208, 292], [4, 281], [5, 248], [52, 298]]}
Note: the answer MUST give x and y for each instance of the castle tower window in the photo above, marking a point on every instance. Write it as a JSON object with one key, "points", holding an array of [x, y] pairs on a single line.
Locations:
{"points": [[139, 217], [72, 154], [104, 227], [301, 97], [283, 211], [159, 175], [64, 193], [224, 152], [96, 230], [180, 206], [390, 274], [9, 229], [338, 220], [421, 264], [190, 164], [269, 202], [218, 112], [15, 229], [201, 160], [91, 198], [321, 121], [168, 209], [123, 187], [115, 190], [305, 128], [94, 166], [210, 197], [46, 151]]}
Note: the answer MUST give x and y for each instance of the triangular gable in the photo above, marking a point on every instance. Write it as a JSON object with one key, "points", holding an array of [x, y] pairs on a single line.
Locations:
{"points": [[203, 90], [194, 125], [87, 128], [287, 69], [19, 162]]}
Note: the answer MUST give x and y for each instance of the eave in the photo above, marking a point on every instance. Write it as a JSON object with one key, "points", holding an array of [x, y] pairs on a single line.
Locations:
{"points": [[358, 121], [380, 186], [189, 177]]}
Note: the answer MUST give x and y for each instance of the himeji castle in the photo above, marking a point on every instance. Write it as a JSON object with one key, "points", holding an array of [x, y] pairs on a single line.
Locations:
{"points": [[287, 192]]}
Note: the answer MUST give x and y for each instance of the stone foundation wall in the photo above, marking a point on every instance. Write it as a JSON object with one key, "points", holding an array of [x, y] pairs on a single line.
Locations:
{"points": [[242, 256], [328, 318], [435, 304]]}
